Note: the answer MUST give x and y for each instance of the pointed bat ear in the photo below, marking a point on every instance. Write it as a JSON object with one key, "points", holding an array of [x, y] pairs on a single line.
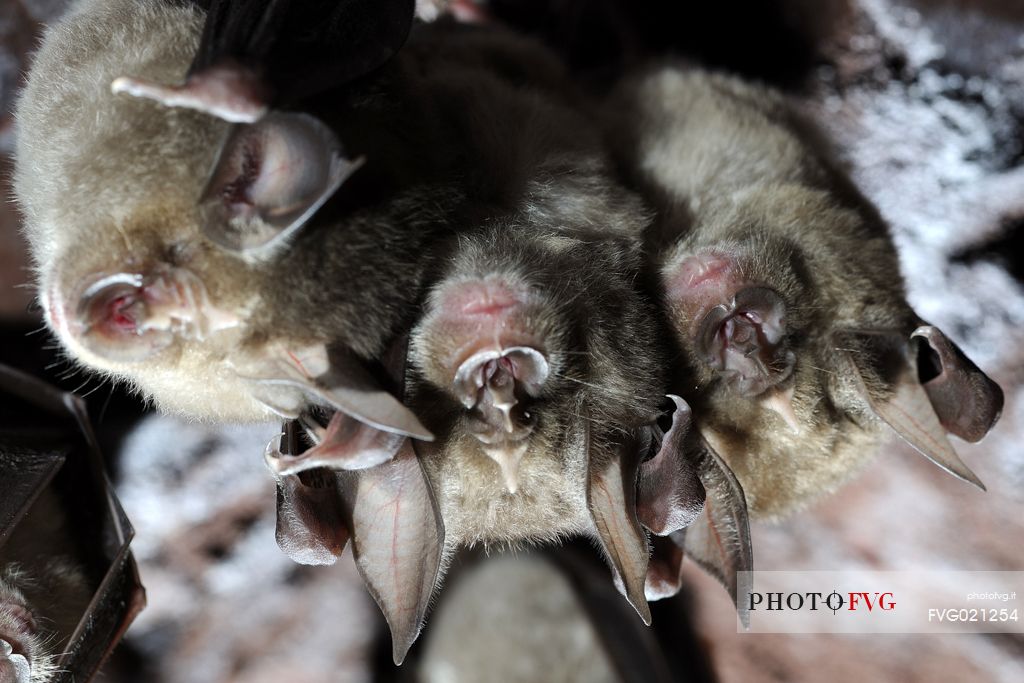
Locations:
{"points": [[670, 494], [269, 179], [310, 523], [334, 377], [397, 540], [719, 539], [907, 409], [965, 400], [611, 496]]}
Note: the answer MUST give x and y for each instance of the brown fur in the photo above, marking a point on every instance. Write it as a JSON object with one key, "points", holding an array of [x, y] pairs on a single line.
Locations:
{"points": [[606, 374]]}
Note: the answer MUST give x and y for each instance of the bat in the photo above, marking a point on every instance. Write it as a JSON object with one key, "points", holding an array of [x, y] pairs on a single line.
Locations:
{"points": [[537, 363], [782, 286], [43, 593]]}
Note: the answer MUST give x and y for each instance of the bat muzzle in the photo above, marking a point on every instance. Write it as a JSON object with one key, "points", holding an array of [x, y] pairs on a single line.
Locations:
{"points": [[129, 317], [745, 341]]}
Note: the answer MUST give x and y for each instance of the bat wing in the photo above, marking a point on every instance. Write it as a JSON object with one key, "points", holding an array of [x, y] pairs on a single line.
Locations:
{"points": [[908, 409], [254, 56], [611, 496], [397, 540], [299, 49]]}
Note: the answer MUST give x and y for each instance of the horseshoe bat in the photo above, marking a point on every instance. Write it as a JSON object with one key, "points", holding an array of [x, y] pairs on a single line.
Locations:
{"points": [[782, 286], [547, 411]]}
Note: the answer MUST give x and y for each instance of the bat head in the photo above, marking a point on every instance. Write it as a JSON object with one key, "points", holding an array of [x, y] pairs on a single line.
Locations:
{"points": [[166, 240], [491, 355], [804, 346]]}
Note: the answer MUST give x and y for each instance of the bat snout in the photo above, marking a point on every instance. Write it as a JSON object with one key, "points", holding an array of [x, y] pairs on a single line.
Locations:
{"points": [[131, 316], [745, 341]]}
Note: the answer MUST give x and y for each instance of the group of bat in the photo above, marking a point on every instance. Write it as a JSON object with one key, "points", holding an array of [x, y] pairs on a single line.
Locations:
{"points": [[494, 306]]}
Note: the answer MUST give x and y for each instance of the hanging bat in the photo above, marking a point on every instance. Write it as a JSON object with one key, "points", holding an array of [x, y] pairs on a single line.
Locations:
{"points": [[537, 363], [43, 593], [268, 268], [782, 286]]}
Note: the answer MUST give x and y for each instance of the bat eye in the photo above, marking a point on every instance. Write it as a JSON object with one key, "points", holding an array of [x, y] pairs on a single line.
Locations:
{"points": [[269, 179]]}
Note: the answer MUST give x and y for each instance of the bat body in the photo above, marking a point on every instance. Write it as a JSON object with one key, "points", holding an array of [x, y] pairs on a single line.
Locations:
{"points": [[783, 288], [43, 594], [540, 366]]}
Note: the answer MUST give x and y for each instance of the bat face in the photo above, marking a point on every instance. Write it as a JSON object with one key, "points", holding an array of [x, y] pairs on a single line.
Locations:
{"points": [[783, 289]]}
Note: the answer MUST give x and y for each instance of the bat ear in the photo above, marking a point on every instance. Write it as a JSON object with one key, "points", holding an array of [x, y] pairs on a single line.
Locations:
{"points": [[906, 407], [269, 179], [719, 539], [611, 496], [965, 400], [670, 493], [310, 522], [397, 540]]}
